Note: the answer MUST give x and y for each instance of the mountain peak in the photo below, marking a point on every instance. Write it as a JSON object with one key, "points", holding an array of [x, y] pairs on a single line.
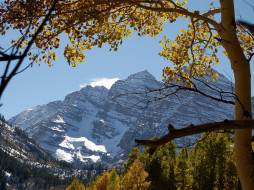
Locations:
{"points": [[142, 75], [88, 126]]}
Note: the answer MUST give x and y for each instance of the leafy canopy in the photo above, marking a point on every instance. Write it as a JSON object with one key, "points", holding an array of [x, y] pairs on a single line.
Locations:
{"points": [[89, 23]]}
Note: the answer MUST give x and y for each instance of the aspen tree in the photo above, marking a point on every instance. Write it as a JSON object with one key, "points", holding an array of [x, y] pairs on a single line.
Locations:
{"points": [[89, 23]]}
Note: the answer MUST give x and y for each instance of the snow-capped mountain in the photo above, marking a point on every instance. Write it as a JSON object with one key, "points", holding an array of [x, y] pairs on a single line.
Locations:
{"points": [[24, 165], [94, 124]]}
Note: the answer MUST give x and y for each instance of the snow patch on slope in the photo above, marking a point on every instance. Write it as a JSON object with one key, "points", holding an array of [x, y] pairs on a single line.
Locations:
{"points": [[94, 158], [59, 119], [62, 155], [75, 143]]}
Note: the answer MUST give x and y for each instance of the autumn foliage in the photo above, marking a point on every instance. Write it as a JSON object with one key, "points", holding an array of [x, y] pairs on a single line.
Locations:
{"points": [[89, 23], [76, 185], [208, 165], [95, 22]]}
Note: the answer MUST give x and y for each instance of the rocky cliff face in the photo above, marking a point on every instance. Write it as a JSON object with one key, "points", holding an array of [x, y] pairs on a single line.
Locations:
{"points": [[94, 124]]}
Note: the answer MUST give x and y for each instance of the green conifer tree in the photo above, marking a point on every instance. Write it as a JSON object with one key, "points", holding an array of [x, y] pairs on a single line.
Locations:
{"points": [[231, 177], [207, 162], [181, 169], [222, 154], [161, 166]]}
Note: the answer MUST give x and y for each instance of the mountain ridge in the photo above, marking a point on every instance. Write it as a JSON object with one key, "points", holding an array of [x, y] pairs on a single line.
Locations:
{"points": [[91, 125]]}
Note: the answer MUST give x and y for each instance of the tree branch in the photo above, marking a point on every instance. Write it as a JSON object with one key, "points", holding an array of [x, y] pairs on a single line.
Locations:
{"points": [[6, 57], [6, 79], [248, 26], [177, 10], [212, 12], [162, 93], [192, 130]]}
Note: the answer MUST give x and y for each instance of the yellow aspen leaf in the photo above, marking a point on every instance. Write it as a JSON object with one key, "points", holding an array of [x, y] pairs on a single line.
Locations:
{"points": [[162, 43], [216, 76]]}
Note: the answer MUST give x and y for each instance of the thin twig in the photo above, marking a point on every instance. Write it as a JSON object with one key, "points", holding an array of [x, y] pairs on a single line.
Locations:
{"points": [[6, 79]]}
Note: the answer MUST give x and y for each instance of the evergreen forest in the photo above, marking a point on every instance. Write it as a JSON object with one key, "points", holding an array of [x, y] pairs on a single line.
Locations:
{"points": [[208, 165]]}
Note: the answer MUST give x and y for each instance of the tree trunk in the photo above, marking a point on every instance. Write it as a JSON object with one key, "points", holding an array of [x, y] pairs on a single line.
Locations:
{"points": [[241, 68], [243, 150]]}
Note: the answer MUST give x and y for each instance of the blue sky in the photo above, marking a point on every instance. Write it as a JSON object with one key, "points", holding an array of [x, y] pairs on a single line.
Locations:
{"points": [[42, 84]]}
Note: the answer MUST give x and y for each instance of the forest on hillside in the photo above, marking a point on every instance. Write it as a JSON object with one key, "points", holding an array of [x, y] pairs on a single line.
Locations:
{"points": [[24, 165], [209, 165]]}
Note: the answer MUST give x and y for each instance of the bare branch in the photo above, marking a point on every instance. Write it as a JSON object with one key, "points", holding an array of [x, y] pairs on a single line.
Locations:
{"points": [[248, 4], [29, 65], [251, 57], [211, 12], [192, 130], [163, 93], [6, 79], [6, 57]]}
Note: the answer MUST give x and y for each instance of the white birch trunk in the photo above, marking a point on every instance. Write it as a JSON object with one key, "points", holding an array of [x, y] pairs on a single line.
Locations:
{"points": [[241, 68]]}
